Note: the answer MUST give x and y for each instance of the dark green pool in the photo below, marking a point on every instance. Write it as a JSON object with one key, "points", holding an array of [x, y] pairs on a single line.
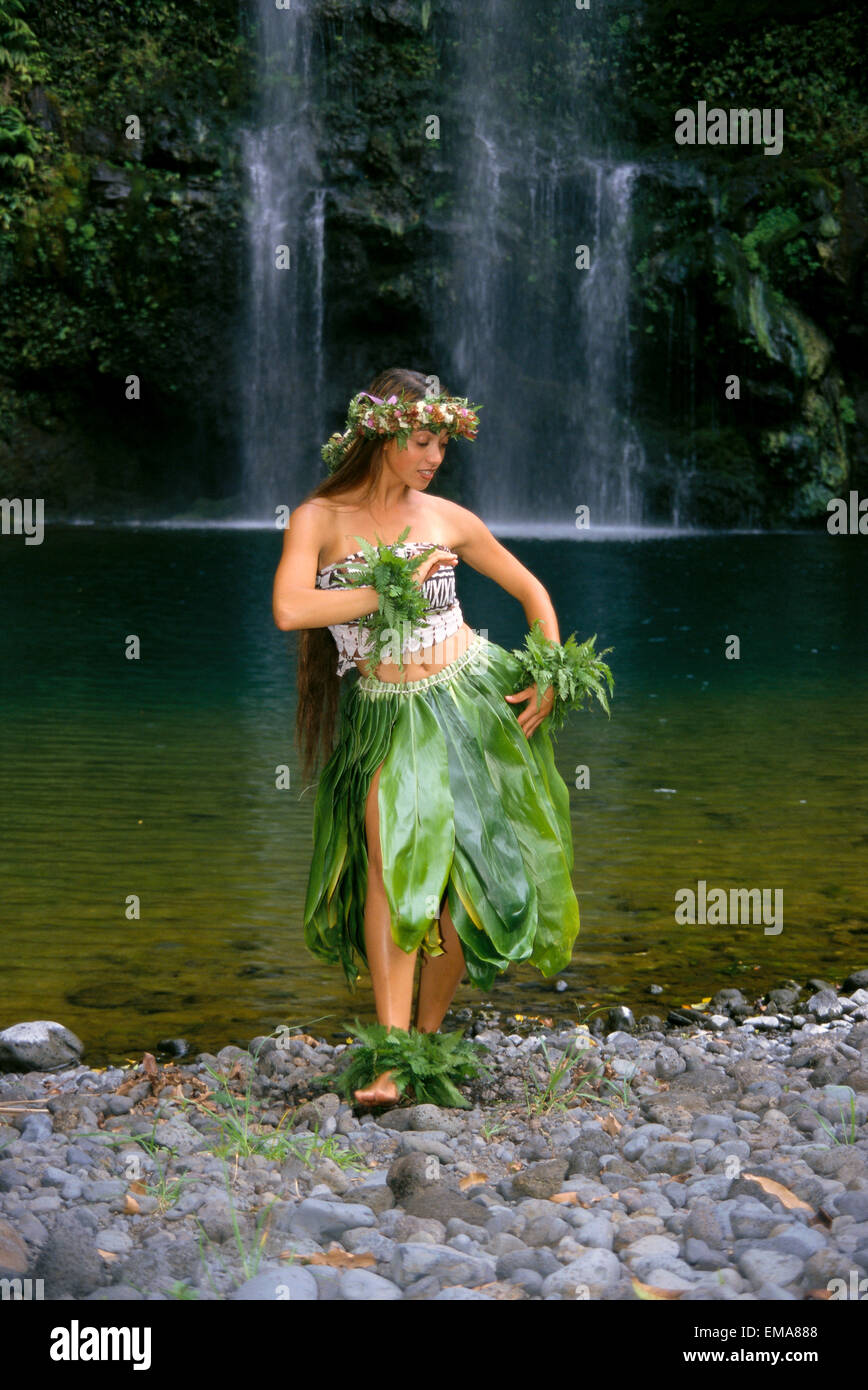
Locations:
{"points": [[156, 777]]}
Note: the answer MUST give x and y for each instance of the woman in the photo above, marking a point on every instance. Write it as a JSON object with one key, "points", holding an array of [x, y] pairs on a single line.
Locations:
{"points": [[440, 822]]}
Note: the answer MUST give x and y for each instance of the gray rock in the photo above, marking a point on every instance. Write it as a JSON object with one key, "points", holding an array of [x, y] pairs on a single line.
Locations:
{"points": [[54, 1177], [753, 1225], [216, 1219], [377, 1196], [800, 1240], [278, 1284], [668, 1064], [41, 1045], [180, 1136], [372, 1242], [398, 1120], [422, 1143], [594, 1270], [656, 1246], [699, 1255], [443, 1204], [11, 1176], [115, 1241], [428, 1117], [37, 1127], [713, 1126], [853, 1204], [529, 1280], [412, 1261], [823, 1005], [327, 1171], [325, 1220], [858, 980], [541, 1180], [542, 1260], [702, 1224], [68, 1262], [667, 1156], [546, 1230], [598, 1233], [104, 1190], [364, 1284], [411, 1173], [769, 1266]]}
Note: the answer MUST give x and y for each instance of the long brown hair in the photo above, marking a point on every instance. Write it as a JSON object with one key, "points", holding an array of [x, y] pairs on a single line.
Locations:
{"points": [[319, 686]]}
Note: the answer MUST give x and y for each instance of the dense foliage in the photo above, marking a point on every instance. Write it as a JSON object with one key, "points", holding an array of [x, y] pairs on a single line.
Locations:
{"points": [[121, 247]]}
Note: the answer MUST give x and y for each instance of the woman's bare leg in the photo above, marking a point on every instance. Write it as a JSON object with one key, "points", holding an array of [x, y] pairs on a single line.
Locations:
{"points": [[392, 970], [440, 977]]}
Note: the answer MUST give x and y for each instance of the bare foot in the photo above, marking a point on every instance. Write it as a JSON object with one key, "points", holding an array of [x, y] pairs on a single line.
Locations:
{"points": [[381, 1090]]}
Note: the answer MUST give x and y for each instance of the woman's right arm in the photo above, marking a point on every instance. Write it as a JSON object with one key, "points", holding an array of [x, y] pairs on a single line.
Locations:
{"points": [[296, 601]]}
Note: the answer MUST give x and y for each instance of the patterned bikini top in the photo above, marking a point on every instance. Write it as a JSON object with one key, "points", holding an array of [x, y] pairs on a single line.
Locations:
{"points": [[443, 616]]}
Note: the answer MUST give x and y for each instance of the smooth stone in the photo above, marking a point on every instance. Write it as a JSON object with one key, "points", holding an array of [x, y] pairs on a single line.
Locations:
{"points": [[116, 1242], [412, 1172], [364, 1240], [594, 1269], [364, 1284], [292, 1284], [38, 1127], [180, 1136], [769, 1266], [655, 1245], [68, 1262], [542, 1261], [541, 1180], [431, 1117], [40, 1045], [54, 1177], [667, 1156], [104, 1190], [432, 1143], [853, 1204], [529, 1280], [324, 1220], [413, 1261]]}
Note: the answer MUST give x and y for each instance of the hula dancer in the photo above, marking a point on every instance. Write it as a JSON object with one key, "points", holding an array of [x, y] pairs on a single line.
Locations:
{"points": [[441, 823]]}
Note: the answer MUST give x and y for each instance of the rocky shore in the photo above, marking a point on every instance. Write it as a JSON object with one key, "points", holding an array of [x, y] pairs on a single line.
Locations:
{"points": [[721, 1154]]}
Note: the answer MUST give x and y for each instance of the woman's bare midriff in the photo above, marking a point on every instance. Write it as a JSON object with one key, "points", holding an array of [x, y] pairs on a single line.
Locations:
{"points": [[428, 660]]}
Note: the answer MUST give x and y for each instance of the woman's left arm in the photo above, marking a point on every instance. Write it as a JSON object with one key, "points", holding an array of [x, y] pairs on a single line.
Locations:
{"points": [[481, 550]]}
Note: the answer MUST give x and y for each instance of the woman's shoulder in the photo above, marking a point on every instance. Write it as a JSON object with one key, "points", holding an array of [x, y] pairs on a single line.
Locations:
{"points": [[460, 523]]}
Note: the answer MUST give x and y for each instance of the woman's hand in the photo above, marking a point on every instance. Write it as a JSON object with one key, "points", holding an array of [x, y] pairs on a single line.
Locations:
{"points": [[532, 716], [433, 560]]}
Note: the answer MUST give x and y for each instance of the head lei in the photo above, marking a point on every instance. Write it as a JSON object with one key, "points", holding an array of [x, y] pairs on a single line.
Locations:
{"points": [[370, 417]]}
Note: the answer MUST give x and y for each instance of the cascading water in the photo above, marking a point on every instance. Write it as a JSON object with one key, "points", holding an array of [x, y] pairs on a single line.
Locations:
{"points": [[543, 344], [281, 346]]}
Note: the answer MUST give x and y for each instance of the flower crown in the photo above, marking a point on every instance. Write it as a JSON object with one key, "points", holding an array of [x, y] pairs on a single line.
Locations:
{"points": [[370, 416]]}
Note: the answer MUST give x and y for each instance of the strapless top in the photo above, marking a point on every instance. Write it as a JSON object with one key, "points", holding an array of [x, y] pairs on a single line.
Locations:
{"points": [[443, 616]]}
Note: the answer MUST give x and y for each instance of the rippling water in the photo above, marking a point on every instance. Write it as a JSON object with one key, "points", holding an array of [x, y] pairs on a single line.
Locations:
{"points": [[156, 777]]}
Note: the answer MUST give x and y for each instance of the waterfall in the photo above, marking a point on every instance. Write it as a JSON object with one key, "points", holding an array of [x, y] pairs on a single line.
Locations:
{"points": [[544, 345], [280, 364]]}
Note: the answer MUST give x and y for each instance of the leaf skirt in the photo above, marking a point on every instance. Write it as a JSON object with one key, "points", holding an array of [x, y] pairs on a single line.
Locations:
{"points": [[472, 813]]}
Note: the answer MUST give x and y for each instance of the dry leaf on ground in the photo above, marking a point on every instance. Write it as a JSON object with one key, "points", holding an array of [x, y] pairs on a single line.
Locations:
{"points": [[777, 1189], [337, 1258], [472, 1180]]}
